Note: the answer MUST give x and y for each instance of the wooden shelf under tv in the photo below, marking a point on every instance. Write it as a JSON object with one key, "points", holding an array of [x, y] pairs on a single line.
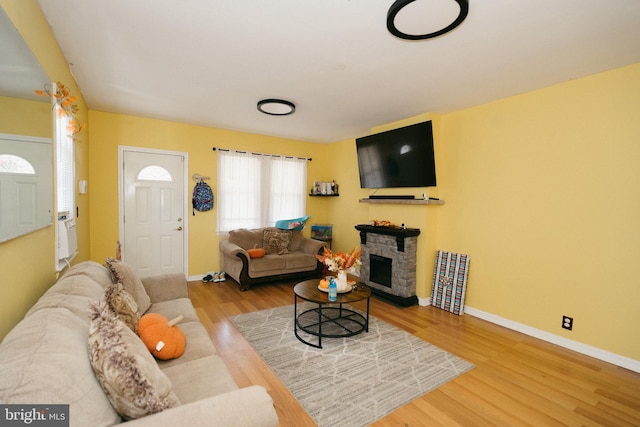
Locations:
{"points": [[403, 201]]}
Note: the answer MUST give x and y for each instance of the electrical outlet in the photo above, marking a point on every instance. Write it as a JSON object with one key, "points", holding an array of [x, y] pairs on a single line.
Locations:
{"points": [[567, 322]]}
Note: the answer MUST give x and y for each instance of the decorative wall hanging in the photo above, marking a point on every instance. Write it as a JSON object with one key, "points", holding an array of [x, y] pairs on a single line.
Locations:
{"points": [[450, 281], [61, 96]]}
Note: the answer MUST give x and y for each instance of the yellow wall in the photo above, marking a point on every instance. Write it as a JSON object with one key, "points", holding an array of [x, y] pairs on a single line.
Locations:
{"points": [[22, 117], [27, 263], [541, 190], [29, 118], [108, 131], [344, 212]]}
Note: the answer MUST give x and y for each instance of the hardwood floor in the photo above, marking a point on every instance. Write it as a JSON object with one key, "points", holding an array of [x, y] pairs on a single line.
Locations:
{"points": [[517, 381]]}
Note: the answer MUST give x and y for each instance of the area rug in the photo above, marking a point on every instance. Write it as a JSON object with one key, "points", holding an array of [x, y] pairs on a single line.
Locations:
{"points": [[353, 381]]}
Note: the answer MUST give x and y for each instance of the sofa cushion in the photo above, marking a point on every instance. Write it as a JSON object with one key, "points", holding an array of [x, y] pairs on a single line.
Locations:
{"points": [[166, 287], [299, 261], [296, 241], [246, 239], [171, 309], [122, 303], [276, 241], [96, 272], [124, 274], [73, 293], [201, 378], [127, 372], [274, 264], [199, 345], [44, 360]]}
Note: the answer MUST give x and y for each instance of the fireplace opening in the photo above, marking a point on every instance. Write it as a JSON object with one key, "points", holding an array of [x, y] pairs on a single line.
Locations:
{"points": [[380, 270]]}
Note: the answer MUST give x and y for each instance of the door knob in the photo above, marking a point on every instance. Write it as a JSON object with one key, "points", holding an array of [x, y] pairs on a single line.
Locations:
{"points": [[178, 229]]}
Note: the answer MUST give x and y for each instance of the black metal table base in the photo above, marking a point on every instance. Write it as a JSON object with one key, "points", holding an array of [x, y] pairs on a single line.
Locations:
{"points": [[329, 321]]}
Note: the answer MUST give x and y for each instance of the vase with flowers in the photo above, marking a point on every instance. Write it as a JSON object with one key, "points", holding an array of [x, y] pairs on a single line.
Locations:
{"points": [[340, 262]]}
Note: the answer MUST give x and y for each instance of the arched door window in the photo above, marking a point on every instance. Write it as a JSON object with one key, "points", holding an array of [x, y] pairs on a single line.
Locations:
{"points": [[15, 164], [154, 173]]}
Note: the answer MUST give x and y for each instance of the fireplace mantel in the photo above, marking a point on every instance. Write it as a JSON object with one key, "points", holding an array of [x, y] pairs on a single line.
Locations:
{"points": [[399, 233]]}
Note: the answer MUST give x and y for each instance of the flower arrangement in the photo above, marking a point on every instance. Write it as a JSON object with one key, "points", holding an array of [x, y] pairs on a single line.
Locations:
{"points": [[336, 261], [65, 102]]}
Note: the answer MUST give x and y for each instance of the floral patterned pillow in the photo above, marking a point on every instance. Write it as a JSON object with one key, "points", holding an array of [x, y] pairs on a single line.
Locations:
{"points": [[122, 303], [124, 274], [276, 241], [130, 377]]}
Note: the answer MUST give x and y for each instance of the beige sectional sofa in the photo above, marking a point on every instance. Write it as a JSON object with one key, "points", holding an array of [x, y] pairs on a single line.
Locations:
{"points": [[45, 359], [288, 255]]}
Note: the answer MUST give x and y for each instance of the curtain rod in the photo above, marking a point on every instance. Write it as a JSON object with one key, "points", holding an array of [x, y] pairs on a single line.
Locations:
{"points": [[263, 154]]}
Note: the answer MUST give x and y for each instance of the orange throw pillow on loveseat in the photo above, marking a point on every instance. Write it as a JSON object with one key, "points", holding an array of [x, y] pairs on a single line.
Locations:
{"points": [[256, 252]]}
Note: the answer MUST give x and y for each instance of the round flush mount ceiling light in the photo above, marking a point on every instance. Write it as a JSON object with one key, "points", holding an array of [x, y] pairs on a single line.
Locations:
{"points": [[276, 107], [398, 5]]}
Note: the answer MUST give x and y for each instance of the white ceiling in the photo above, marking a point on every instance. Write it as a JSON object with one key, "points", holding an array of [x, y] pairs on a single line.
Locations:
{"points": [[208, 62]]}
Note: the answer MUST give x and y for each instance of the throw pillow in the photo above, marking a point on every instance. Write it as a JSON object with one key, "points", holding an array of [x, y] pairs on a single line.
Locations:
{"points": [[161, 336], [297, 241], [256, 252], [276, 241], [131, 283], [128, 374], [122, 303], [246, 239]]}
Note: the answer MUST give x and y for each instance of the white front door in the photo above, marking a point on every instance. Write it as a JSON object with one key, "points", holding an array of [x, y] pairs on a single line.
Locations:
{"points": [[153, 213], [26, 191]]}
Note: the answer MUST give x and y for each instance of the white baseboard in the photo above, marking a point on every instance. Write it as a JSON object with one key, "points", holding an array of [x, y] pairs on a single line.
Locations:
{"points": [[606, 356]]}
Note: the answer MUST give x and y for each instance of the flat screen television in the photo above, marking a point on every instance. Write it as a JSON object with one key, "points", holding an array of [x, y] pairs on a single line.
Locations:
{"points": [[397, 158]]}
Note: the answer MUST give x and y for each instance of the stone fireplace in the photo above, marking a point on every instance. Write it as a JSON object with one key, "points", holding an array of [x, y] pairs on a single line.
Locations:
{"points": [[389, 262]]}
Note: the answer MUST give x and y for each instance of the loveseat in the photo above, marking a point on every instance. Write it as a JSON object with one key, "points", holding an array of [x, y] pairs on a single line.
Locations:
{"points": [[286, 254], [58, 354]]}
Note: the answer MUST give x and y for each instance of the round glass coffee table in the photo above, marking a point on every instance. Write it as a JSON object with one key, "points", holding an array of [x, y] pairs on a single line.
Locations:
{"points": [[329, 319]]}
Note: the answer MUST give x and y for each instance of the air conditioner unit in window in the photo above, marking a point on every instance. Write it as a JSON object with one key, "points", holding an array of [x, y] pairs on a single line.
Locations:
{"points": [[67, 238]]}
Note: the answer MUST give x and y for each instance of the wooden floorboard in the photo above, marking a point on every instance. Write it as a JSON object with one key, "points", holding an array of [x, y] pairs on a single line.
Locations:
{"points": [[518, 380]]}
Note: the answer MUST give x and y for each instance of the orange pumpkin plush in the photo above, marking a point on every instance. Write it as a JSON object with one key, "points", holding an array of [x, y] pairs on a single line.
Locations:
{"points": [[162, 337], [256, 252]]}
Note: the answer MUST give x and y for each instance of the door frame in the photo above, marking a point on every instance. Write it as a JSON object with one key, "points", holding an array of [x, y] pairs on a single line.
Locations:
{"points": [[185, 208]]}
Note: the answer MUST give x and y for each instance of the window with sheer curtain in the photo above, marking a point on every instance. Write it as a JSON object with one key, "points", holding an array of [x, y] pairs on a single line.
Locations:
{"points": [[256, 190], [64, 165]]}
